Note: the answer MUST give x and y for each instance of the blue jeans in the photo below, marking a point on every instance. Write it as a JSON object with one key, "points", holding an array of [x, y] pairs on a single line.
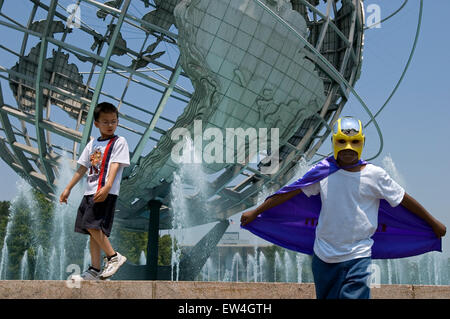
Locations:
{"points": [[344, 280]]}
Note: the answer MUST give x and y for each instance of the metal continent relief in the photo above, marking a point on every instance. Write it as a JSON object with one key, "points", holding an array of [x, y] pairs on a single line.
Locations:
{"points": [[241, 60]]}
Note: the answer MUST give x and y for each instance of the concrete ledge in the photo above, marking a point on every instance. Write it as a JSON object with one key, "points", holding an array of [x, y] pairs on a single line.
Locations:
{"points": [[118, 289]]}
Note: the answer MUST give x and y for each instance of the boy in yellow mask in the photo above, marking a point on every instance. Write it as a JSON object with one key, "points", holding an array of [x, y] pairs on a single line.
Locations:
{"points": [[350, 200]]}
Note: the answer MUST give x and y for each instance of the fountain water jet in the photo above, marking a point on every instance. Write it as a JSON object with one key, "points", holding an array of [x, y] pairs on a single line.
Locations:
{"points": [[188, 181], [235, 264], [24, 271]]}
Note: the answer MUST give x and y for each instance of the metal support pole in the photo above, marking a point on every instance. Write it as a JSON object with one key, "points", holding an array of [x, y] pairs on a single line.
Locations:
{"points": [[192, 262], [153, 238], [39, 100]]}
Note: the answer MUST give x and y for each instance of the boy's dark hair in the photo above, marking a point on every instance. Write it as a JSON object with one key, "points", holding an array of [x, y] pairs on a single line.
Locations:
{"points": [[104, 107]]}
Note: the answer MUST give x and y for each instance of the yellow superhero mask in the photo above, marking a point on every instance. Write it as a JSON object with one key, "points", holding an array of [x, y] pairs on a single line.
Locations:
{"points": [[347, 135]]}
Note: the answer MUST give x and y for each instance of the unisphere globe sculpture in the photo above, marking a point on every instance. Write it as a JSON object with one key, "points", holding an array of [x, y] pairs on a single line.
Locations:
{"points": [[176, 69]]}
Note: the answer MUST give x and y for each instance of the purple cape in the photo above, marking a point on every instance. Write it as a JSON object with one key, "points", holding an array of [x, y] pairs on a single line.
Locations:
{"points": [[292, 224]]}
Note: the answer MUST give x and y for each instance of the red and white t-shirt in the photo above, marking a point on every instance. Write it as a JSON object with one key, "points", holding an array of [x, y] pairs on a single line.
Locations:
{"points": [[97, 157]]}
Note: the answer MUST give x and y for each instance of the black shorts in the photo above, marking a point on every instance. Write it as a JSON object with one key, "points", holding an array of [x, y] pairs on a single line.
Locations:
{"points": [[96, 215]]}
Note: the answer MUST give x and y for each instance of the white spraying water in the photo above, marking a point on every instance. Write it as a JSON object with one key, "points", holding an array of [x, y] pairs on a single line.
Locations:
{"points": [[53, 264], [63, 239], [236, 265], [4, 262], [179, 210], [299, 263], [208, 270], [189, 182], [24, 266], [142, 258], [251, 262], [87, 254], [277, 267], [390, 167], [39, 267], [262, 263], [288, 269], [227, 275]]}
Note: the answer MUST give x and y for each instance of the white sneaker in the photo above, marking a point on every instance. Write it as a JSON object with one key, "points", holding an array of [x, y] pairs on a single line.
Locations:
{"points": [[89, 274], [112, 265]]}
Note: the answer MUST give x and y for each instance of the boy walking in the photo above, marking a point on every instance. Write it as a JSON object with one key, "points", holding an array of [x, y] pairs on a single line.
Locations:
{"points": [[349, 192], [103, 159]]}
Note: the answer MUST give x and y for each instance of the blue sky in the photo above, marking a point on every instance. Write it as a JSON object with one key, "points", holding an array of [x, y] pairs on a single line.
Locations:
{"points": [[415, 124]]}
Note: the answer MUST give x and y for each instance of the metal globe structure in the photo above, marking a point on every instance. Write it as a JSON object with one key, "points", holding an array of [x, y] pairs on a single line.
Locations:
{"points": [[176, 64]]}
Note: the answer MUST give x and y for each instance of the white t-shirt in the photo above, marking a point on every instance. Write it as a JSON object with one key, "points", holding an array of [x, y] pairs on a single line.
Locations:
{"points": [[97, 157], [349, 214]]}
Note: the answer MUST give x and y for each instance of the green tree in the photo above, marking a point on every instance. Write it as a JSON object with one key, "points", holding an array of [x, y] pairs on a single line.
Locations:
{"points": [[44, 215], [19, 238], [130, 243], [165, 250]]}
